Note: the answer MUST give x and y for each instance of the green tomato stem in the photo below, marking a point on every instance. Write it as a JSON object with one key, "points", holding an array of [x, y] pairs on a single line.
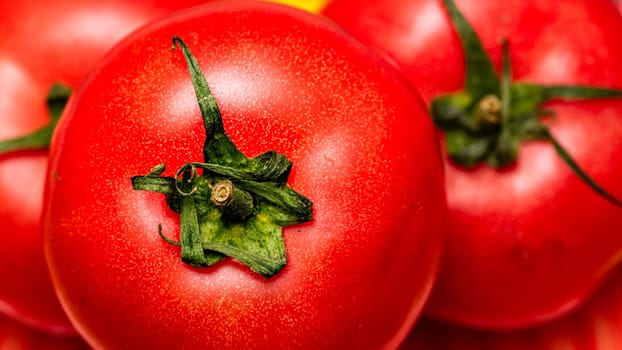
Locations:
{"points": [[40, 139]]}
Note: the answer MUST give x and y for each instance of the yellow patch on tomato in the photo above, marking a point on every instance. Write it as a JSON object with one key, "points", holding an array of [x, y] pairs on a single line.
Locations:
{"points": [[314, 6]]}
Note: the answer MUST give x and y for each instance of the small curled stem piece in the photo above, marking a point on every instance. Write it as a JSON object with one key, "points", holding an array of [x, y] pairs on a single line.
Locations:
{"points": [[166, 239], [184, 176]]}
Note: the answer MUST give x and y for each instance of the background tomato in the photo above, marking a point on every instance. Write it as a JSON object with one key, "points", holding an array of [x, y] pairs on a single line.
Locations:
{"points": [[358, 274], [597, 325], [43, 43], [528, 242], [16, 336]]}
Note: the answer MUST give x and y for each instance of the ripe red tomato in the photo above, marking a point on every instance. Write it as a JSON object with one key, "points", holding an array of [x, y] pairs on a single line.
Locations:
{"points": [[357, 275], [529, 241], [43, 43], [16, 336], [597, 325]]}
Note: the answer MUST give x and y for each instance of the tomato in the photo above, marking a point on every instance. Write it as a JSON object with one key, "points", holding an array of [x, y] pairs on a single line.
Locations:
{"points": [[597, 325], [529, 240], [44, 43], [16, 336], [357, 274]]}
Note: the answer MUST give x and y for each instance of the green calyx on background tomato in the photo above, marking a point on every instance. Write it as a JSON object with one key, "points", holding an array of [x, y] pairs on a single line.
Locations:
{"points": [[537, 239], [56, 100], [237, 206], [492, 115]]}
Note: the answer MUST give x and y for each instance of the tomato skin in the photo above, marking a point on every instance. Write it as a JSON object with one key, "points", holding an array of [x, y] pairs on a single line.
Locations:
{"points": [[16, 336], [44, 43], [597, 325], [300, 86], [529, 242]]}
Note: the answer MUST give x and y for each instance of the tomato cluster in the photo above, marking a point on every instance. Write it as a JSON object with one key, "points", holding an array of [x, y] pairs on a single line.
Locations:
{"points": [[413, 174]]}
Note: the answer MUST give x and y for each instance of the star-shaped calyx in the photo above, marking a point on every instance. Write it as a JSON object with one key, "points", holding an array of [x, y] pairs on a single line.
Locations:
{"points": [[489, 119], [230, 205]]}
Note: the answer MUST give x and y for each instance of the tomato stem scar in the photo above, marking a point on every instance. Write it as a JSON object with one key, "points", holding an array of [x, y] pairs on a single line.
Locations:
{"points": [[236, 203]]}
